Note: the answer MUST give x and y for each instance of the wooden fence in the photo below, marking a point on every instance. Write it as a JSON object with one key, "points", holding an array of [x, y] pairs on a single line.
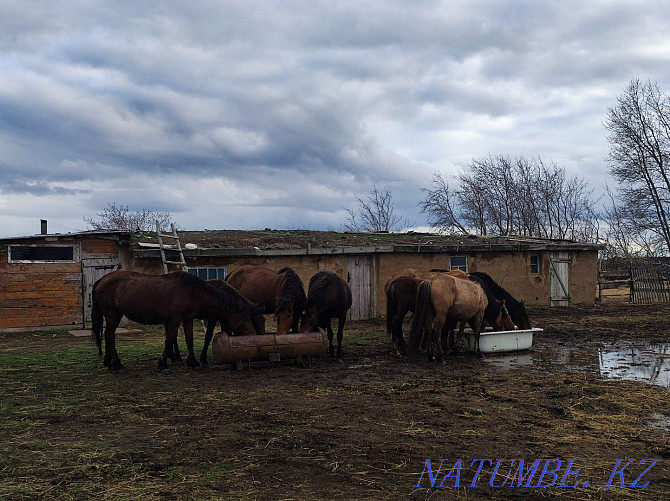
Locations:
{"points": [[640, 281]]}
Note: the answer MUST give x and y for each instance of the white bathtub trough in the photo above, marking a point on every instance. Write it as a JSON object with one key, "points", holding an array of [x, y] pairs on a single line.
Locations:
{"points": [[500, 342]]}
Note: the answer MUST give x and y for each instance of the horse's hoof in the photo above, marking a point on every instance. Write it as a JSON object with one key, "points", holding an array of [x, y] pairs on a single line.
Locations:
{"points": [[165, 371], [340, 361]]}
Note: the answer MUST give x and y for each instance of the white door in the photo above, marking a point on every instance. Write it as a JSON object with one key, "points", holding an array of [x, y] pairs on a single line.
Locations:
{"points": [[361, 280], [93, 270], [560, 279]]}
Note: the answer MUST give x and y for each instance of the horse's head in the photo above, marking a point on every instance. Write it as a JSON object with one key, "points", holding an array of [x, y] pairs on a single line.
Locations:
{"points": [[248, 323], [503, 321], [520, 316], [285, 317], [257, 319]]}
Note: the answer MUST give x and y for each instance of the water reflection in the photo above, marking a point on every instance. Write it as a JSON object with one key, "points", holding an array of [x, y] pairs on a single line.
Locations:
{"points": [[647, 363], [650, 364]]}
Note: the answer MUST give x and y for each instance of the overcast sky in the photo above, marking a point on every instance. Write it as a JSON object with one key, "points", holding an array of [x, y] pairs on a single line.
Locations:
{"points": [[252, 114]]}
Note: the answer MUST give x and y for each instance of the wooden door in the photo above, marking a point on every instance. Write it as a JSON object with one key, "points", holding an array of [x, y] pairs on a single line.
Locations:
{"points": [[360, 275], [560, 279], [94, 269]]}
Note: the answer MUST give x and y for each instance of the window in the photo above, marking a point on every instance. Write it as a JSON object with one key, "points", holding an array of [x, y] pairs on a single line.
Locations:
{"points": [[41, 253], [208, 273], [458, 263], [535, 263]]}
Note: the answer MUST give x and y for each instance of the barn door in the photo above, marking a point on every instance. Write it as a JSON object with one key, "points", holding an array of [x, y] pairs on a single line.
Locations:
{"points": [[360, 277], [92, 270], [560, 278]]}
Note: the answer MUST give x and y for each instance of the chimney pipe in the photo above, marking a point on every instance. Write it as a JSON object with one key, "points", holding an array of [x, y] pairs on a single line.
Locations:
{"points": [[43, 226]]}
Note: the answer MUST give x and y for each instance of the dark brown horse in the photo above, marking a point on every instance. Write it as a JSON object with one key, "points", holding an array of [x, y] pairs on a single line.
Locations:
{"points": [[172, 299], [328, 297], [279, 293], [257, 321], [516, 309]]}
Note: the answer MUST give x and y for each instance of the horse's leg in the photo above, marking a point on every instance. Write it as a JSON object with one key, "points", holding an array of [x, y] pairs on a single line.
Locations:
{"points": [[171, 331], [112, 360], [340, 333], [438, 324], [461, 330], [325, 324], [211, 324], [400, 345], [478, 328], [173, 351], [188, 334]]}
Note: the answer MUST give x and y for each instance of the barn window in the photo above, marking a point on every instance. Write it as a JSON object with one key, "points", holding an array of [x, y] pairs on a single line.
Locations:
{"points": [[41, 253], [208, 273], [458, 263], [535, 263]]}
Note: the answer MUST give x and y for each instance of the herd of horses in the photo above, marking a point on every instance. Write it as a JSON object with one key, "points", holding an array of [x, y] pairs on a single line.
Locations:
{"points": [[440, 301]]}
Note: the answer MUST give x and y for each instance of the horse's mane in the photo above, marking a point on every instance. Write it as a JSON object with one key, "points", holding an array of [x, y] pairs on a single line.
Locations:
{"points": [[291, 289], [493, 308], [498, 291], [228, 295]]}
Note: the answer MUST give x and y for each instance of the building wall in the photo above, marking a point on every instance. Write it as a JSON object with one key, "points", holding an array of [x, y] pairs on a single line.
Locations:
{"points": [[510, 269], [36, 294]]}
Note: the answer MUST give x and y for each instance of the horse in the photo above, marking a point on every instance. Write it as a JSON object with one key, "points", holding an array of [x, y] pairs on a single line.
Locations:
{"points": [[400, 290], [516, 309], [444, 300], [328, 297], [256, 324], [495, 314], [172, 299], [279, 293]]}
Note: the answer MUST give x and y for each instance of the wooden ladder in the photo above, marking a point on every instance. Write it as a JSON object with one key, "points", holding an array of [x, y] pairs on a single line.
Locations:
{"points": [[175, 237]]}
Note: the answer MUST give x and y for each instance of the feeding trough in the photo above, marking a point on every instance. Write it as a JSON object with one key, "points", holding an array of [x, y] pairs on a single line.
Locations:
{"points": [[268, 347], [502, 341]]}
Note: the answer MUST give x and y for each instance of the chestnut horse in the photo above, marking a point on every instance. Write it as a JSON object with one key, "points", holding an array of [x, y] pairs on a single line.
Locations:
{"points": [[443, 301], [401, 289], [279, 293], [172, 299], [328, 297]]}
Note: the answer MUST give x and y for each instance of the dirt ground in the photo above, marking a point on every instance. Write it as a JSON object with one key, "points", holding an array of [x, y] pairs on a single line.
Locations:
{"points": [[363, 429]]}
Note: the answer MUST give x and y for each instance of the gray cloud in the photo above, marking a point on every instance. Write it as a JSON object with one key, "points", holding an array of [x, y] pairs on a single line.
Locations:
{"points": [[254, 114]]}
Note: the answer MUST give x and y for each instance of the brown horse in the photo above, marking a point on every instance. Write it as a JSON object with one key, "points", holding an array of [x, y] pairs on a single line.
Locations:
{"points": [[328, 297], [279, 293], [443, 301], [256, 324], [401, 289], [172, 299]]}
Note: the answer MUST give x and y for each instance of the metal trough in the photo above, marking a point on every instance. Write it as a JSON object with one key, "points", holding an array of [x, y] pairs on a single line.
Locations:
{"points": [[232, 349]]}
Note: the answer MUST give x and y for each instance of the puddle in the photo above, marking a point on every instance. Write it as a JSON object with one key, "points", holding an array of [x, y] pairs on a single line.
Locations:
{"points": [[635, 362], [650, 364]]}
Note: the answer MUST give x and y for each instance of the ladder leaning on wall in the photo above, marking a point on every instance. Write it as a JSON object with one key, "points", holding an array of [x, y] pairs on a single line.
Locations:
{"points": [[163, 247]]}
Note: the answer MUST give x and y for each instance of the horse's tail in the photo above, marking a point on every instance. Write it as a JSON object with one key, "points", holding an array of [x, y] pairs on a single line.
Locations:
{"points": [[391, 308], [96, 319], [417, 328]]}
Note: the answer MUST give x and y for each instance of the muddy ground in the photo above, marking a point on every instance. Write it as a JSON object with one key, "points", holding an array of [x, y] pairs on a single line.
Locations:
{"points": [[70, 429]]}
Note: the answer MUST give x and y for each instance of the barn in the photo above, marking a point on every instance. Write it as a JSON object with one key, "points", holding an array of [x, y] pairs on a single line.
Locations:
{"points": [[47, 278]]}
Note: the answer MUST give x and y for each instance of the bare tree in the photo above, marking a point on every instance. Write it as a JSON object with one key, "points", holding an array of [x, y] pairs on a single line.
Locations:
{"points": [[639, 136], [120, 217], [374, 213], [504, 196]]}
